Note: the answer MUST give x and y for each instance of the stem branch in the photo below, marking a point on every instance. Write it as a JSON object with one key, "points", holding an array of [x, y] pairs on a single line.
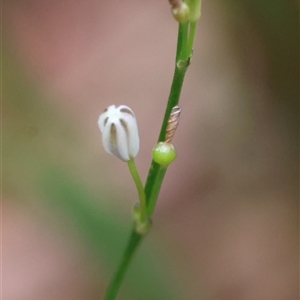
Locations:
{"points": [[139, 186]]}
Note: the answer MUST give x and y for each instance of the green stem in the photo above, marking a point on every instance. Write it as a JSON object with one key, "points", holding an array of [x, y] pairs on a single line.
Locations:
{"points": [[115, 283], [183, 32], [184, 48], [190, 42], [139, 186], [157, 179], [156, 172]]}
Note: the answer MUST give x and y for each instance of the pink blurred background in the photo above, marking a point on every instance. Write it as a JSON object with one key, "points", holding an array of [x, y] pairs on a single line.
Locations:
{"points": [[227, 214]]}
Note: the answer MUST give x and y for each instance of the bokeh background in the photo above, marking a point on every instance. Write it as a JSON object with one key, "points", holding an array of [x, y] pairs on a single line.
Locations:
{"points": [[226, 222]]}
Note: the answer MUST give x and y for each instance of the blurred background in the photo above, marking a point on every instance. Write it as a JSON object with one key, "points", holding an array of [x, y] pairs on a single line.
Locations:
{"points": [[226, 222]]}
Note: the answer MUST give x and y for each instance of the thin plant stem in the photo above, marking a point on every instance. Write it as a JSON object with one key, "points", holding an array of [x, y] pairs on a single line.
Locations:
{"points": [[115, 283], [156, 172], [184, 32], [190, 42], [157, 182], [139, 186]]}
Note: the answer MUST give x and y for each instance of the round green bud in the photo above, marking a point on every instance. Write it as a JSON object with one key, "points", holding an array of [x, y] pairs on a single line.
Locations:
{"points": [[181, 12], [163, 153]]}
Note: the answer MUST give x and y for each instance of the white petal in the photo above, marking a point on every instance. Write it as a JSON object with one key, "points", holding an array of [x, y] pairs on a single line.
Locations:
{"points": [[105, 115], [133, 138], [122, 142]]}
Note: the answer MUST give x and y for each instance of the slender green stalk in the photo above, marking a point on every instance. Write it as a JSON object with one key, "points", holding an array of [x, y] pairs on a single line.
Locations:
{"points": [[115, 283], [190, 42], [184, 34], [139, 186], [159, 173], [156, 173]]}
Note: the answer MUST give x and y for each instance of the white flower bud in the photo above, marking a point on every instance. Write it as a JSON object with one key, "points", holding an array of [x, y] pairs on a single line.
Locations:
{"points": [[119, 129]]}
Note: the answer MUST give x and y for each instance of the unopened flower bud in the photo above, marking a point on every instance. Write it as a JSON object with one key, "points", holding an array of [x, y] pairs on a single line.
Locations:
{"points": [[119, 132]]}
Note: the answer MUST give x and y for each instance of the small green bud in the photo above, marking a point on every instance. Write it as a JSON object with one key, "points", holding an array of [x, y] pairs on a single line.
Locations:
{"points": [[164, 153], [142, 228], [181, 12], [136, 212]]}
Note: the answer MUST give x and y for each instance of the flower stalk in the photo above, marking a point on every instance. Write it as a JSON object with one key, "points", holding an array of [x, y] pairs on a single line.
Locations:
{"points": [[141, 220]]}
